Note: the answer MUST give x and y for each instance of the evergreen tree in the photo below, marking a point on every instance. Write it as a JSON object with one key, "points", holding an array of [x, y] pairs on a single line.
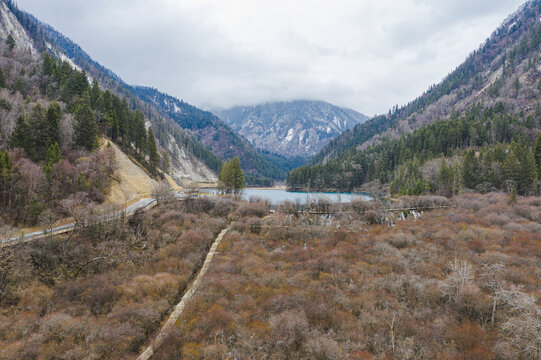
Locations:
{"points": [[231, 179], [2, 79], [54, 115], [165, 161], [86, 129], [95, 95], [53, 154], [49, 64], [225, 178], [11, 42], [238, 176], [537, 155], [39, 128], [528, 171], [470, 170], [140, 132], [445, 178], [20, 135], [154, 157]]}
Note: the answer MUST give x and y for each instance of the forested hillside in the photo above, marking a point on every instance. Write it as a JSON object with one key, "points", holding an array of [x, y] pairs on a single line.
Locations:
{"points": [[188, 158], [213, 133], [490, 102], [184, 131], [52, 119]]}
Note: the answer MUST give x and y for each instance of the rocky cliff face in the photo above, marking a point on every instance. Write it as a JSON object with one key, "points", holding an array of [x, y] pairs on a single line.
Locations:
{"points": [[10, 25], [297, 128]]}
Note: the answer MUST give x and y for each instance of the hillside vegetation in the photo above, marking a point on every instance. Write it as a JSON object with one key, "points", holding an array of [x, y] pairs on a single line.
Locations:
{"points": [[495, 90], [187, 157]]}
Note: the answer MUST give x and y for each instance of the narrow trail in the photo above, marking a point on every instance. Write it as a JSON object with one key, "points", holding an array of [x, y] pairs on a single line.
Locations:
{"points": [[179, 308]]}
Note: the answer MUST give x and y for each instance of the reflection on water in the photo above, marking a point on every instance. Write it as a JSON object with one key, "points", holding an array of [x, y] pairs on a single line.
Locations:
{"points": [[276, 196]]}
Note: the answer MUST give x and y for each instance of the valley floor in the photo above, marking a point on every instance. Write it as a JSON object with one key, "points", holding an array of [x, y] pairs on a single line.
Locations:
{"points": [[457, 283]]}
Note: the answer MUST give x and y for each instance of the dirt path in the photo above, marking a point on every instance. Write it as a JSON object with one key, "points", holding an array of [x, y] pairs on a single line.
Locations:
{"points": [[187, 296]]}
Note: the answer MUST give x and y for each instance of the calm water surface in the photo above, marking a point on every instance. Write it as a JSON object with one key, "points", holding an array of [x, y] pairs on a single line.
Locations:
{"points": [[276, 196]]}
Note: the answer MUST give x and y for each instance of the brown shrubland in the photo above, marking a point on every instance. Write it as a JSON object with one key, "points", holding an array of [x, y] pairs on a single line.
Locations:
{"points": [[463, 282]]}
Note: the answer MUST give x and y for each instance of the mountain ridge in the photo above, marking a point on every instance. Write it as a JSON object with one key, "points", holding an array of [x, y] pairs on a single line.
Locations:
{"points": [[291, 128], [177, 140], [498, 82], [388, 124]]}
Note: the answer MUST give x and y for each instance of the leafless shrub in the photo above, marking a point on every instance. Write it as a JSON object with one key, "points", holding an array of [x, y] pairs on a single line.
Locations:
{"points": [[163, 194], [258, 209], [321, 347], [223, 207], [254, 224], [425, 202], [289, 330], [402, 240]]}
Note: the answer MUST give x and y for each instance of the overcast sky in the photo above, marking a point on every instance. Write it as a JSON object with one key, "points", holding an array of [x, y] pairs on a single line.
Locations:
{"points": [[364, 54]]}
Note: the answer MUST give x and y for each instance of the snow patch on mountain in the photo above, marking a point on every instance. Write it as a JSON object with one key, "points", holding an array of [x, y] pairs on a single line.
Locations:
{"points": [[274, 126]]}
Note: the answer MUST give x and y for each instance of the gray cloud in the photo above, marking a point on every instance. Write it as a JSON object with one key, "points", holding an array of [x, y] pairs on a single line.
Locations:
{"points": [[364, 54]]}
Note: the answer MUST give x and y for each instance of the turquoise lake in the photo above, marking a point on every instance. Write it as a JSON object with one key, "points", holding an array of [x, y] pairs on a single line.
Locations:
{"points": [[277, 196]]}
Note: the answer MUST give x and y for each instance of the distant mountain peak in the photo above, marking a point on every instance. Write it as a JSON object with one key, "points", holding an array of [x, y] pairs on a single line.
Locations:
{"points": [[291, 128]]}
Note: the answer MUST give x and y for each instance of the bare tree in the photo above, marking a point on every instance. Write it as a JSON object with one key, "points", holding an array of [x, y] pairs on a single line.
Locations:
{"points": [[492, 276], [77, 206], [460, 275], [391, 324], [524, 327], [162, 193], [47, 219]]}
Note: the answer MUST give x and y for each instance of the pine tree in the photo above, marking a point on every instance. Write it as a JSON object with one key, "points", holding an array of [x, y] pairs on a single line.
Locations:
{"points": [[86, 129], [537, 155], [225, 178], [154, 157], [53, 124], [140, 132], [528, 171], [95, 95], [445, 178], [49, 64], [20, 135], [165, 161], [237, 176], [39, 141], [2, 79], [11, 42], [53, 154], [470, 170]]}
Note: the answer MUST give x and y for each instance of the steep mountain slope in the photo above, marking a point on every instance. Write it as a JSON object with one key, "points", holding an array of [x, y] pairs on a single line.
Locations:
{"points": [[296, 128], [188, 158], [504, 70], [131, 180], [212, 132], [195, 130]]}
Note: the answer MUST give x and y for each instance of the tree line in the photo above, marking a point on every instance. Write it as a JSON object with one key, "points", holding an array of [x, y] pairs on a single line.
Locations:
{"points": [[488, 146]]}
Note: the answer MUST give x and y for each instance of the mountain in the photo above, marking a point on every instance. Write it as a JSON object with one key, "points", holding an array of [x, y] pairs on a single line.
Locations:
{"points": [[188, 158], [196, 140], [497, 87], [296, 128], [212, 132]]}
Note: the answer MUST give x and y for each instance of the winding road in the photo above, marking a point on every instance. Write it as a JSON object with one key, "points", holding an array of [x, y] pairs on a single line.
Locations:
{"points": [[142, 204]]}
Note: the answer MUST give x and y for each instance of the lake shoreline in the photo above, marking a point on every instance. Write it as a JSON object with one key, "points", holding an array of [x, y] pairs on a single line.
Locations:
{"points": [[277, 195]]}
